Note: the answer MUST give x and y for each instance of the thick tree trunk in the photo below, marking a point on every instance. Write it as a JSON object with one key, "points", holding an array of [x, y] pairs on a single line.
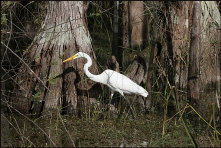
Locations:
{"points": [[209, 65], [64, 32], [199, 71], [133, 24], [194, 55], [180, 24], [152, 36]]}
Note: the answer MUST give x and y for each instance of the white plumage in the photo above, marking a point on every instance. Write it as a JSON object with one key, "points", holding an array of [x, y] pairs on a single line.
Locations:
{"points": [[114, 80]]}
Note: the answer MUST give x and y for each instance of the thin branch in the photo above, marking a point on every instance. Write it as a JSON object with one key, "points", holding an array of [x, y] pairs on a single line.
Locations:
{"points": [[25, 65]]}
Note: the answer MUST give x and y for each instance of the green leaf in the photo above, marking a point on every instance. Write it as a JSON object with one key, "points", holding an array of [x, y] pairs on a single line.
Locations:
{"points": [[3, 19], [97, 14], [61, 56], [36, 21], [36, 96], [50, 79], [7, 3], [53, 62], [51, 82]]}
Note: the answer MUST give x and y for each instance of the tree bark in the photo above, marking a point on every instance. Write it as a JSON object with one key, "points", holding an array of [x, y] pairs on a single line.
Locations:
{"points": [[194, 55], [133, 24], [152, 34], [63, 33], [114, 59], [209, 63], [137, 71], [117, 33], [193, 60], [134, 33]]}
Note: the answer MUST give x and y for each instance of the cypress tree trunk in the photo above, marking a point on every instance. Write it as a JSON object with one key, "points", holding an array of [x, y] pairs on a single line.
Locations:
{"points": [[133, 24], [192, 64], [194, 53], [63, 33]]}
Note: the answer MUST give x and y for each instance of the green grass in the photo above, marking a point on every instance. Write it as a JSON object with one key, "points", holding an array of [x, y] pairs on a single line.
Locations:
{"points": [[105, 132]]}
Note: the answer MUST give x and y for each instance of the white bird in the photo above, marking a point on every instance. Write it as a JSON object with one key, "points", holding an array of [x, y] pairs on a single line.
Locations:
{"points": [[114, 80]]}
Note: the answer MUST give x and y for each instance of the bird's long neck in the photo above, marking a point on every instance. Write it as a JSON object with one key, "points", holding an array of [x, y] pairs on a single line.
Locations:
{"points": [[93, 77]]}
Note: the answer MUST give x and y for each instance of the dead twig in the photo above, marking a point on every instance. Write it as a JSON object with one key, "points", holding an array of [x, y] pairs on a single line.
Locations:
{"points": [[25, 64]]}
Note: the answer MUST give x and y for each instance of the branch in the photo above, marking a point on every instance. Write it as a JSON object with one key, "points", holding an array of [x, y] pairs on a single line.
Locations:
{"points": [[25, 65]]}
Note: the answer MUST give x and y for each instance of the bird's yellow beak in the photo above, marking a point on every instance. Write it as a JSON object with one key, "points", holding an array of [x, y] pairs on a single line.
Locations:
{"points": [[71, 58]]}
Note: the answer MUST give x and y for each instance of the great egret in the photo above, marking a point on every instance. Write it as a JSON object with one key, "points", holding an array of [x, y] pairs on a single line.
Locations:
{"points": [[114, 80]]}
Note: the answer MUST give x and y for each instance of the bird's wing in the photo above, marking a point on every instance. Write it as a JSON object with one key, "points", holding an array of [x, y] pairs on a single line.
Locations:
{"points": [[119, 81]]}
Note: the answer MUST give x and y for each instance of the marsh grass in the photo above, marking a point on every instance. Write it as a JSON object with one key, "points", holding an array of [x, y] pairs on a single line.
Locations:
{"points": [[144, 130]]}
